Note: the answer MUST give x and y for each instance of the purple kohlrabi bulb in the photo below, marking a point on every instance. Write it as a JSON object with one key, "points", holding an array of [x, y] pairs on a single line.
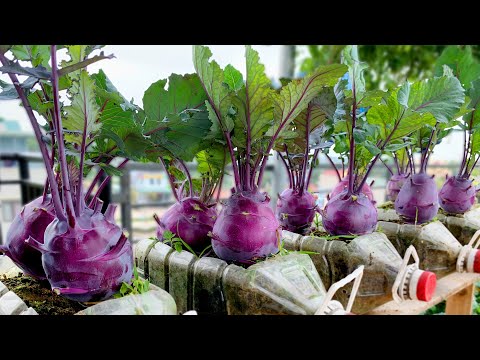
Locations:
{"points": [[30, 222], [347, 214], [457, 195], [189, 219], [246, 228], [417, 201], [295, 211]]}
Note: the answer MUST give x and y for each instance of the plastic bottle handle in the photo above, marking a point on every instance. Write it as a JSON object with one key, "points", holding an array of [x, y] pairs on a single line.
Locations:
{"points": [[405, 269], [473, 244], [355, 276]]}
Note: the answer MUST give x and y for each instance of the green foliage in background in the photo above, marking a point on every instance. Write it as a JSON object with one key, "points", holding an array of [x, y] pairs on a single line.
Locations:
{"points": [[439, 309], [388, 64]]}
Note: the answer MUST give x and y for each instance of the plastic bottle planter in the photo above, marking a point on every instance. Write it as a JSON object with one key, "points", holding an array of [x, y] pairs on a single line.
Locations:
{"points": [[437, 248], [154, 302], [384, 268], [282, 285], [462, 227], [11, 303]]}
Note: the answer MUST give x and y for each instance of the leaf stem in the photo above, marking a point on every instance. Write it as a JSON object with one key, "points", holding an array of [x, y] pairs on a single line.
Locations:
{"points": [[307, 148], [315, 155], [170, 179], [61, 145], [57, 203], [190, 182], [288, 170], [333, 166]]}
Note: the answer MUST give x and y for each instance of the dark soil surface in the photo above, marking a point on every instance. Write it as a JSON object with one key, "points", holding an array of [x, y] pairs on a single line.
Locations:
{"points": [[38, 295], [389, 205], [443, 212]]}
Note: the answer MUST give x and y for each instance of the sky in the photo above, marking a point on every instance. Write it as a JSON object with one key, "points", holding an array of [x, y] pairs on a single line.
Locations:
{"points": [[135, 67]]}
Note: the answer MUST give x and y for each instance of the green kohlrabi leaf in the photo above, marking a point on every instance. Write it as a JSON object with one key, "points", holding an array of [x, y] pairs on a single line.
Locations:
{"points": [[211, 161], [38, 72], [442, 97], [295, 97], [355, 69], [184, 92], [177, 119], [321, 108], [36, 54], [121, 133], [393, 118], [212, 78], [83, 112], [8, 91], [464, 66], [233, 78], [253, 105]]}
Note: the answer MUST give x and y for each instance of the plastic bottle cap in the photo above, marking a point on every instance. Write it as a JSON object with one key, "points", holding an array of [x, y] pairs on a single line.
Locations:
{"points": [[476, 262], [426, 286]]}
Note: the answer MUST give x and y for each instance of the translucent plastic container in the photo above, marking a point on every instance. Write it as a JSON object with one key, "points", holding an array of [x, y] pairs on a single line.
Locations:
{"points": [[439, 251], [383, 268], [288, 284]]}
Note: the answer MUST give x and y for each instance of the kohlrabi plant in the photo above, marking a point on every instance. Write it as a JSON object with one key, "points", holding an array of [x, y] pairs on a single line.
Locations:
{"points": [[398, 173], [458, 193], [380, 129], [417, 200], [296, 206], [252, 116], [84, 254], [179, 130]]}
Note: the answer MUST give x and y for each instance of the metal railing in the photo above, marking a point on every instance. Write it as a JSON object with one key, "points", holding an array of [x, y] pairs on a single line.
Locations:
{"points": [[30, 190]]}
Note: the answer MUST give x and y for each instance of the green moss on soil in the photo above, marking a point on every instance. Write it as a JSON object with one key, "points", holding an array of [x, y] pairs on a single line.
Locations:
{"points": [[443, 212], [39, 296], [389, 205]]}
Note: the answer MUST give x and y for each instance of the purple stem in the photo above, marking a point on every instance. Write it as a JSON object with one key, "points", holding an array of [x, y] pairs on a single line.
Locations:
{"points": [[170, 180], [388, 167], [80, 200], [351, 159], [247, 185], [395, 160], [288, 170], [221, 177], [425, 155], [372, 163], [333, 166], [57, 203], [315, 155], [307, 149], [236, 175], [61, 145], [282, 125], [467, 147], [473, 167], [96, 179], [106, 181], [190, 183]]}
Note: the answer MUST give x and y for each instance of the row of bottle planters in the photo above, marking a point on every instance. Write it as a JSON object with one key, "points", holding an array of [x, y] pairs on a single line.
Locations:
{"points": [[399, 261]]}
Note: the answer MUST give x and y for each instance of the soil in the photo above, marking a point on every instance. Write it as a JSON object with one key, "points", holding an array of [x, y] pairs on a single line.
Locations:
{"points": [[389, 205], [443, 212], [327, 236], [38, 295]]}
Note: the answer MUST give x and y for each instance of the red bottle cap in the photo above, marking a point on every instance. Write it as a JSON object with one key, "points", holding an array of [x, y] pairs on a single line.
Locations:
{"points": [[476, 262], [426, 285]]}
